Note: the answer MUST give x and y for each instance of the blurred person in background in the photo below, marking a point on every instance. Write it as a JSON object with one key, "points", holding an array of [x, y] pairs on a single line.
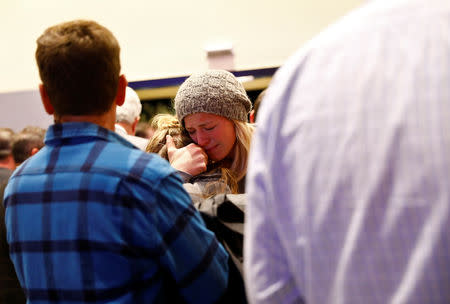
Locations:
{"points": [[127, 119], [144, 130], [256, 104], [10, 290], [27, 143], [7, 164], [349, 173]]}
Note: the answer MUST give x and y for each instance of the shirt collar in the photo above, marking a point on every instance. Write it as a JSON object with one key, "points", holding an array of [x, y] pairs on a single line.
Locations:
{"points": [[70, 130], [120, 130]]}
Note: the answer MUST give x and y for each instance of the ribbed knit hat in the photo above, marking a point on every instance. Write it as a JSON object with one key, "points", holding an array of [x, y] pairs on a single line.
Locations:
{"points": [[214, 91]]}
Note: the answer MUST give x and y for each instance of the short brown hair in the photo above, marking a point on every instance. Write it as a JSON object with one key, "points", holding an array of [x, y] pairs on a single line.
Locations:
{"points": [[6, 138], [24, 142], [79, 65]]}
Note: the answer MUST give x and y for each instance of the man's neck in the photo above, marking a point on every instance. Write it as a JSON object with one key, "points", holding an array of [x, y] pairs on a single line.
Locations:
{"points": [[105, 120], [8, 163], [126, 127]]}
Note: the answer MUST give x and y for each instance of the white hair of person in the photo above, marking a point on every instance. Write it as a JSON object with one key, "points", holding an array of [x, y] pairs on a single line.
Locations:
{"points": [[131, 108]]}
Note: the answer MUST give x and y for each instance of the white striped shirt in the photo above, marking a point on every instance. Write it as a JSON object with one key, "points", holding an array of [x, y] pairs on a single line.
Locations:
{"points": [[349, 173]]}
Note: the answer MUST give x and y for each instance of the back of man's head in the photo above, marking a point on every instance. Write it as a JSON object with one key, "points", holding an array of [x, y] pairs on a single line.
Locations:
{"points": [[26, 143], [79, 65], [131, 108], [6, 136], [34, 129]]}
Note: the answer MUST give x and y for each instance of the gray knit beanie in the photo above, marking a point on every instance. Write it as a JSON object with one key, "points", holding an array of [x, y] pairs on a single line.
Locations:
{"points": [[214, 91]]}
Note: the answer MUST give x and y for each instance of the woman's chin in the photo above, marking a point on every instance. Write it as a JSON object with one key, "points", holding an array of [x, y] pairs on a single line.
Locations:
{"points": [[214, 158]]}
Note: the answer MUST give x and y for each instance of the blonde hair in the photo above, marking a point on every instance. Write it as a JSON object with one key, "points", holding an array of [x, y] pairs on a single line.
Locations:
{"points": [[244, 132], [166, 124]]}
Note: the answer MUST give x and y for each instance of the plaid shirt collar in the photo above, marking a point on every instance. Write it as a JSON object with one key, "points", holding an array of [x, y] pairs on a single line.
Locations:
{"points": [[71, 130]]}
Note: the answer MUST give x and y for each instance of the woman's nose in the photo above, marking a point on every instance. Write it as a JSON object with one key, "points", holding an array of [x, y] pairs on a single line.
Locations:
{"points": [[202, 139]]}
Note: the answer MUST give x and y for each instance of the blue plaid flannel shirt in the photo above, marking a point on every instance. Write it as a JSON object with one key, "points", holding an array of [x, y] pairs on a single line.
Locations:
{"points": [[91, 219]]}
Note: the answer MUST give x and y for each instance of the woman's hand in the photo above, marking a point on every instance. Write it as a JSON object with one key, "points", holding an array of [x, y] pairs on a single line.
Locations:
{"points": [[191, 159]]}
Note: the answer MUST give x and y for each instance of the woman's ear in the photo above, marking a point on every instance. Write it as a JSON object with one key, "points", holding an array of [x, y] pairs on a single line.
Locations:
{"points": [[46, 100]]}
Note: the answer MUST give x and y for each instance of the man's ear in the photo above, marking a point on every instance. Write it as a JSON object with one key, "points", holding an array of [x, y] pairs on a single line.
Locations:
{"points": [[121, 88], [46, 100], [34, 151], [134, 125]]}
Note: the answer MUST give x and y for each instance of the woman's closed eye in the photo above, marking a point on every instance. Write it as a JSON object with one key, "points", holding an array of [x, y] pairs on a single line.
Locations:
{"points": [[192, 132]]}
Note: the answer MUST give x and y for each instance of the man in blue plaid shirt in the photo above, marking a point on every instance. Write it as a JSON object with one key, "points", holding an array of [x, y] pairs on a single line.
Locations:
{"points": [[90, 218]]}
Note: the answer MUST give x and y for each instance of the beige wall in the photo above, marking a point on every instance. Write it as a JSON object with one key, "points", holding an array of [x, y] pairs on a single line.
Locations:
{"points": [[166, 38]]}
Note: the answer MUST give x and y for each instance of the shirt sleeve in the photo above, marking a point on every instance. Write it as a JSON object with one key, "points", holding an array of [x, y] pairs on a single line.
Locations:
{"points": [[186, 177], [267, 272], [194, 257]]}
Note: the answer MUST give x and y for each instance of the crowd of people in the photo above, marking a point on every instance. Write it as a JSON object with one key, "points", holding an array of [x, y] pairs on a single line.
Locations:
{"points": [[15, 148], [336, 191]]}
